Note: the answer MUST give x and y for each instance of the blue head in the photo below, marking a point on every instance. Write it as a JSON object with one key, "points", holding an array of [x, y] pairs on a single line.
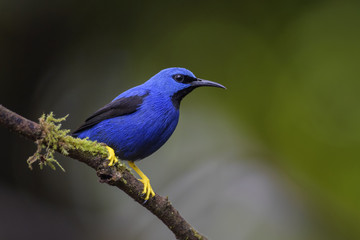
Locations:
{"points": [[177, 83]]}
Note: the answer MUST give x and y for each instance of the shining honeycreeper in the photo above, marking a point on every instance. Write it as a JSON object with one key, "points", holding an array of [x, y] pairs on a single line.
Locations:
{"points": [[140, 120]]}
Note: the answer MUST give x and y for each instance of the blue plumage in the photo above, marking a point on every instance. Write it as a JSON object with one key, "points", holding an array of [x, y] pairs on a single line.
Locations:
{"points": [[137, 135], [140, 120]]}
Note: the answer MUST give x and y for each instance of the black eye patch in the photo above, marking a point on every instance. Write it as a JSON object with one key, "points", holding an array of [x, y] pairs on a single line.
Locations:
{"points": [[183, 78]]}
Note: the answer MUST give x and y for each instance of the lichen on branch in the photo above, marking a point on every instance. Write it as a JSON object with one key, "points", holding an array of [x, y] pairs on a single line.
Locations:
{"points": [[56, 139]]}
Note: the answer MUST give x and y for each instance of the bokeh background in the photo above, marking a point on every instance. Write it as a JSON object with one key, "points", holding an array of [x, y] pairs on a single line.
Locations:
{"points": [[275, 156]]}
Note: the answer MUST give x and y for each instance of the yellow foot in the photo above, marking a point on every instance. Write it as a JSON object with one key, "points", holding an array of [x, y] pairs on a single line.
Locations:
{"points": [[145, 180], [112, 158], [147, 188]]}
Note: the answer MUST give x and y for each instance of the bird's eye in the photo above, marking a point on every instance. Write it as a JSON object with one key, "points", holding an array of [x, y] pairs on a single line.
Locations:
{"points": [[179, 77]]}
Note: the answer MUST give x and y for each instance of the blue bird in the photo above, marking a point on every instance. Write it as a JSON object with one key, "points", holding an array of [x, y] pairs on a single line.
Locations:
{"points": [[140, 120]]}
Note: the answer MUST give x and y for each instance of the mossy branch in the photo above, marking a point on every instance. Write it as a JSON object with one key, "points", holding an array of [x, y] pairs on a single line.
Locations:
{"points": [[50, 138], [56, 139]]}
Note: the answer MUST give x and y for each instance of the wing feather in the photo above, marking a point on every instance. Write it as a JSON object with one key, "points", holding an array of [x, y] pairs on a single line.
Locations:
{"points": [[119, 107]]}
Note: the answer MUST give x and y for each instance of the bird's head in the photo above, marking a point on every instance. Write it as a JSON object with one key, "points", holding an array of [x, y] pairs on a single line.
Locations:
{"points": [[177, 83]]}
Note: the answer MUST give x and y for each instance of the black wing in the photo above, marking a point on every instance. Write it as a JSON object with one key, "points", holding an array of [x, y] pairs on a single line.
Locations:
{"points": [[119, 107]]}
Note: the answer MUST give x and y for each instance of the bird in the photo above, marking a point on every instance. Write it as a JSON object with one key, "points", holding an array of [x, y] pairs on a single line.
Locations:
{"points": [[140, 120]]}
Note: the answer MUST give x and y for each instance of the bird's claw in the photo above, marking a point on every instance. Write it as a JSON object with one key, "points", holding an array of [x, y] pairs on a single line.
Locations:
{"points": [[147, 188], [112, 158], [145, 180]]}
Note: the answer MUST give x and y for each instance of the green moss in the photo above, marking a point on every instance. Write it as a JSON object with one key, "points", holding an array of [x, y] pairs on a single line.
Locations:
{"points": [[124, 181], [196, 234], [56, 139], [48, 143]]}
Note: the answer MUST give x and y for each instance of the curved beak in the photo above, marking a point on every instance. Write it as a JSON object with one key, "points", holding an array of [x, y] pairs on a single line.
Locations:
{"points": [[201, 82]]}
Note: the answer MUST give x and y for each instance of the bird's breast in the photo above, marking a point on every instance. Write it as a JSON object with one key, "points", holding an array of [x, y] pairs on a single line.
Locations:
{"points": [[140, 134]]}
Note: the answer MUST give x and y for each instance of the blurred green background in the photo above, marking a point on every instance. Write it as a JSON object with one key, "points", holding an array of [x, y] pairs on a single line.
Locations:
{"points": [[275, 156]]}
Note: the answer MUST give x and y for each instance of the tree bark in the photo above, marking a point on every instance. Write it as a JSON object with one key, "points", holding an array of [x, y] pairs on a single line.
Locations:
{"points": [[118, 177]]}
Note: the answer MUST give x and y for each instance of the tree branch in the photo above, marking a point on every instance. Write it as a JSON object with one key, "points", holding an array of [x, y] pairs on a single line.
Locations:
{"points": [[119, 177]]}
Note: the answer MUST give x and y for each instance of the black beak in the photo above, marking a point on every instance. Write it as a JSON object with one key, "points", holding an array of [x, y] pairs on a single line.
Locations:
{"points": [[201, 82]]}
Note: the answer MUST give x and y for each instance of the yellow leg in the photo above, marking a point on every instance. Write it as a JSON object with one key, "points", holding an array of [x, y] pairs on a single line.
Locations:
{"points": [[112, 158], [145, 180]]}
